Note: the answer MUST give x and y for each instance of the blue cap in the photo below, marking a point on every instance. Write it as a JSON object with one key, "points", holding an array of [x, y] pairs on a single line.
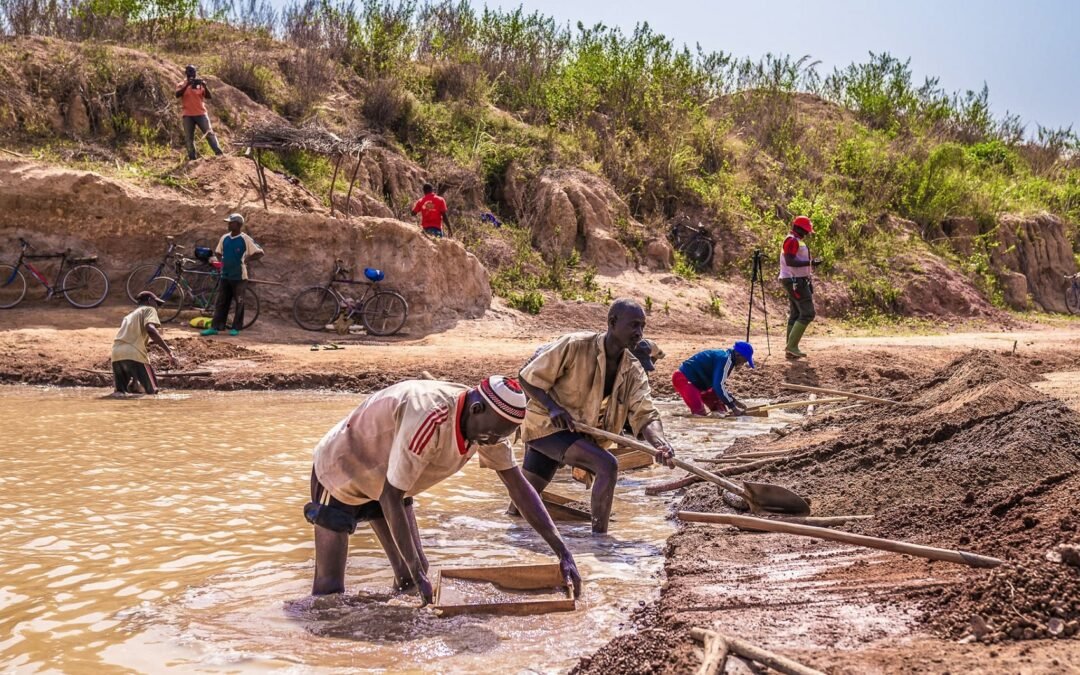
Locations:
{"points": [[745, 350]]}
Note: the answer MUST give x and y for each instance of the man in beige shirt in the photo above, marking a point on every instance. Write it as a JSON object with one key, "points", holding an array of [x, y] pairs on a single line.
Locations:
{"points": [[594, 379], [130, 360], [400, 442]]}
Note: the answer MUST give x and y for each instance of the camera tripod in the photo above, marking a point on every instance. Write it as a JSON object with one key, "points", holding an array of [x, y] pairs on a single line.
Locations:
{"points": [[756, 277]]}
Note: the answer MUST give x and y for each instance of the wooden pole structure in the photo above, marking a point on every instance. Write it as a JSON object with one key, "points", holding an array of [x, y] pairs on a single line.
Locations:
{"points": [[263, 188], [751, 651], [333, 182], [768, 525], [352, 181], [837, 392]]}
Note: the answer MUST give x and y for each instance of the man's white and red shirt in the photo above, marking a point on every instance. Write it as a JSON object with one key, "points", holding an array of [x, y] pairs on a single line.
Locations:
{"points": [[408, 434]]}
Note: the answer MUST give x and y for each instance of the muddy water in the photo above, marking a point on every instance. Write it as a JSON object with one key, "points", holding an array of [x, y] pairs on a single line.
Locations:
{"points": [[167, 535]]}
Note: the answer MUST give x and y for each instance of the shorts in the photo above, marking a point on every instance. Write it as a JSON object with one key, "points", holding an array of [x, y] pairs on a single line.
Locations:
{"points": [[326, 511], [434, 232], [544, 456], [127, 370]]}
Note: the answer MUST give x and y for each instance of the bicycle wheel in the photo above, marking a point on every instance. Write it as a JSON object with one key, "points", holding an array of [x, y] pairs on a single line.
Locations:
{"points": [[168, 290], [12, 286], [384, 313], [138, 280], [699, 252], [251, 308], [315, 307], [85, 286], [1072, 297]]}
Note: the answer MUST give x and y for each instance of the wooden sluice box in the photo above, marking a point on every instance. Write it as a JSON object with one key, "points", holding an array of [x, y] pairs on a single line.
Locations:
{"points": [[514, 590]]}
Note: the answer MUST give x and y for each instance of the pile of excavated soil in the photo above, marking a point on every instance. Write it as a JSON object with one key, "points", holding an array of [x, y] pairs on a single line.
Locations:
{"points": [[1034, 598], [194, 352], [978, 461], [233, 181], [646, 652]]}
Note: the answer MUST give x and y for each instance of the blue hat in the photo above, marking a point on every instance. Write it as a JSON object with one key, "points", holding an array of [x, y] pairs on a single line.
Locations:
{"points": [[745, 350]]}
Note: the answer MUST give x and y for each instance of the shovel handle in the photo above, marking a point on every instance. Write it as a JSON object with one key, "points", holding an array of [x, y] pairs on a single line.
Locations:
{"points": [[628, 442]]}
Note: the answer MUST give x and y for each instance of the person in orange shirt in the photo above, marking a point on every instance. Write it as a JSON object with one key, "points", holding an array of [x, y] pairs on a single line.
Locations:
{"points": [[193, 95], [432, 210]]}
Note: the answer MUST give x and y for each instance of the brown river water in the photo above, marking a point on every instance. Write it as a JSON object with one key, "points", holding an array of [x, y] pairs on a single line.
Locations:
{"points": [[167, 535]]}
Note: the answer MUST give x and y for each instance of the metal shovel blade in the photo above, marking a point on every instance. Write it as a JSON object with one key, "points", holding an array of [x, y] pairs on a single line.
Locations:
{"points": [[768, 498]]}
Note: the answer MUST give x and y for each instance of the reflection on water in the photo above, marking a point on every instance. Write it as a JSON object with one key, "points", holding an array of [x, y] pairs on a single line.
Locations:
{"points": [[167, 534]]}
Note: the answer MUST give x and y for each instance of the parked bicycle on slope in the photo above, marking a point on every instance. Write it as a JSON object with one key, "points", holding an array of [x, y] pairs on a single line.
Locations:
{"points": [[138, 280], [83, 285], [381, 311]]}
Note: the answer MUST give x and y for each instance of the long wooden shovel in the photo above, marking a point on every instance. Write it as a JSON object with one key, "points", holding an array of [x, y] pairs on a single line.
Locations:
{"points": [[767, 525], [762, 497]]}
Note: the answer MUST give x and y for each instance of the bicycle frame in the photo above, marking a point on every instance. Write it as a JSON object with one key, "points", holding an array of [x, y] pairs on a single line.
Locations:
{"points": [[24, 259]]}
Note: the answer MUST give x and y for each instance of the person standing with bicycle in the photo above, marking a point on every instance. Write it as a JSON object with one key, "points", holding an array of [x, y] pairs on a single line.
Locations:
{"points": [[130, 360], [234, 250], [796, 270]]}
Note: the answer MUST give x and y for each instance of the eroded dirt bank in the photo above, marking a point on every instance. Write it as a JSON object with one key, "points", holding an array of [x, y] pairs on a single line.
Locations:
{"points": [[977, 458]]}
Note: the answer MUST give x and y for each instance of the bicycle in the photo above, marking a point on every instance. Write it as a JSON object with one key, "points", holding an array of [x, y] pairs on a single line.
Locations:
{"points": [[195, 286], [84, 285], [1072, 293], [381, 311], [694, 243], [139, 278]]}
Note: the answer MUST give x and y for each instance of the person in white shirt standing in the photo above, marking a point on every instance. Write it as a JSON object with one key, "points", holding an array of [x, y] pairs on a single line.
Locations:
{"points": [[400, 442], [130, 360]]}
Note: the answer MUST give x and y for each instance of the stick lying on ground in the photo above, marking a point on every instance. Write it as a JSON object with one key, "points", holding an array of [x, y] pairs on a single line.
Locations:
{"points": [[715, 657], [755, 653], [768, 525], [163, 373], [796, 404], [837, 392]]}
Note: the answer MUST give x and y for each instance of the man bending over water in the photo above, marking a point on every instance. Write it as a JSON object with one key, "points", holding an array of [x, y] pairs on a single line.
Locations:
{"points": [[594, 379], [400, 442]]}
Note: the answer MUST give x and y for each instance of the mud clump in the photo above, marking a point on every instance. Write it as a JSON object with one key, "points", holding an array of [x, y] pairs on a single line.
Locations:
{"points": [[1034, 598], [648, 652]]}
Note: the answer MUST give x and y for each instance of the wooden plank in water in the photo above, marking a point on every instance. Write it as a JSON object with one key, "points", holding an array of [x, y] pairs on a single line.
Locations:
{"points": [[524, 578], [558, 509]]}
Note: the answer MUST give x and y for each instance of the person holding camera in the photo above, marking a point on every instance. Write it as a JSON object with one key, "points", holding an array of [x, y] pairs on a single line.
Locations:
{"points": [[193, 95], [796, 270]]}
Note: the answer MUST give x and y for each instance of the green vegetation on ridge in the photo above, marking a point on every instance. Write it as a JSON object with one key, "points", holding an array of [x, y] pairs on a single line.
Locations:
{"points": [[737, 143]]}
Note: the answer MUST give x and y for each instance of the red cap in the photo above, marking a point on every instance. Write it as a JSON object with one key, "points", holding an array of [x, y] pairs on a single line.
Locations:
{"points": [[803, 223]]}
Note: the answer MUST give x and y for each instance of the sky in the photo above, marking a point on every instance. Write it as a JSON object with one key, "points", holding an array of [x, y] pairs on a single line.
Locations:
{"points": [[1027, 52]]}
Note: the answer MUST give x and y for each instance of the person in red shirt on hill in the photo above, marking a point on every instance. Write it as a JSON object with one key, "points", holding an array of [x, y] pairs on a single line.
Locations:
{"points": [[432, 210], [193, 95]]}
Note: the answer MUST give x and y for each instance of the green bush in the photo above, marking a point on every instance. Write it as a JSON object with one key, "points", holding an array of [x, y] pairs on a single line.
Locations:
{"points": [[530, 302]]}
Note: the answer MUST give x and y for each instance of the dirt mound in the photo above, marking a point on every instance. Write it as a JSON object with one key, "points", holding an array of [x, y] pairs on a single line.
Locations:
{"points": [[233, 181], [571, 210], [643, 653], [1030, 255], [194, 352], [125, 225], [97, 91], [1036, 598], [968, 465]]}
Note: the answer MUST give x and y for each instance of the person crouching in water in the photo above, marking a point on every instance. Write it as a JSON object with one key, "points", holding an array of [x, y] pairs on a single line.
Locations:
{"points": [[701, 379], [398, 443]]}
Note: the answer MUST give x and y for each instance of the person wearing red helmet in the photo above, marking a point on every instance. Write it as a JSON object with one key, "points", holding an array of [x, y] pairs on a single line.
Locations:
{"points": [[796, 270]]}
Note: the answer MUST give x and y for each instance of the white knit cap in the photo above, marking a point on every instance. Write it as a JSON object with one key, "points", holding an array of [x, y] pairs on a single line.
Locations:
{"points": [[505, 397]]}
